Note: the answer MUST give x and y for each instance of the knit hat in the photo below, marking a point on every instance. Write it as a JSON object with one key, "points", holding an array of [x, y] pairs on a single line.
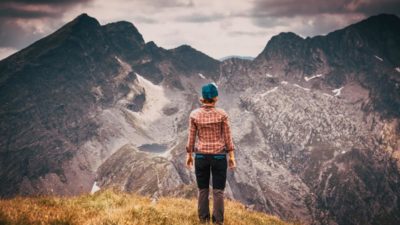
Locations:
{"points": [[209, 90]]}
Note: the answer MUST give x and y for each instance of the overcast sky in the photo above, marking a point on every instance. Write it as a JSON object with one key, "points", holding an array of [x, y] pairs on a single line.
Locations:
{"points": [[216, 27]]}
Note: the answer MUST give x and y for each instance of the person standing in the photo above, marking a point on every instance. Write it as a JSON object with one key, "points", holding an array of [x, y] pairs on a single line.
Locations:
{"points": [[211, 125]]}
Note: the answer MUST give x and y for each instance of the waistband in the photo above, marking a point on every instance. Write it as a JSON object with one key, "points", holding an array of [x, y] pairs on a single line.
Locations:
{"points": [[215, 156]]}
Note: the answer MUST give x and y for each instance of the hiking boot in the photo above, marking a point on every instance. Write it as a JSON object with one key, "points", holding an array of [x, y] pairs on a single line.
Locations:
{"points": [[217, 222], [205, 221]]}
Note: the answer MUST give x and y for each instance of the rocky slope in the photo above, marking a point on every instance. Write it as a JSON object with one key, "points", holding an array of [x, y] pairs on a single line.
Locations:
{"points": [[60, 94], [315, 121]]}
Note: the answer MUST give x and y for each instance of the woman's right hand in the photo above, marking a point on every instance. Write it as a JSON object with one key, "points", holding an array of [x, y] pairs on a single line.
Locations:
{"points": [[231, 163], [231, 160]]}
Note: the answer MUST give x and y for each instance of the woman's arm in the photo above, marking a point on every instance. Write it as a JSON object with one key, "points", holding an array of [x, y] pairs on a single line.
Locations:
{"points": [[191, 142], [226, 129], [192, 135]]}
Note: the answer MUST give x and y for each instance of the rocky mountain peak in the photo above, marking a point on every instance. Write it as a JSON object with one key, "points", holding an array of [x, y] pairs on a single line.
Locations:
{"points": [[151, 45], [83, 22], [380, 21], [125, 29], [189, 57], [184, 51], [282, 45], [286, 36], [184, 48]]}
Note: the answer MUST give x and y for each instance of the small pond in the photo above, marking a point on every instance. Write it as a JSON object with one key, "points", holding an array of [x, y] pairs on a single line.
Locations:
{"points": [[153, 148]]}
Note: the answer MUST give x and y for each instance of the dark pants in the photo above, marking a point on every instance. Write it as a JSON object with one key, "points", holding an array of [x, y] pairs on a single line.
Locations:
{"points": [[217, 165]]}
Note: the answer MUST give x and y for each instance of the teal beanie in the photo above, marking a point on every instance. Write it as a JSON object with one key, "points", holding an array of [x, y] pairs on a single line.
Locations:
{"points": [[209, 91]]}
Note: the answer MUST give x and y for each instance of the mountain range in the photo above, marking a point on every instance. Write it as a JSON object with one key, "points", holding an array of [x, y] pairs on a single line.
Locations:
{"points": [[315, 121]]}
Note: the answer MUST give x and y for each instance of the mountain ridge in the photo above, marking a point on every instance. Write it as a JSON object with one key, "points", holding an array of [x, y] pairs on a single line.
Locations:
{"points": [[316, 118]]}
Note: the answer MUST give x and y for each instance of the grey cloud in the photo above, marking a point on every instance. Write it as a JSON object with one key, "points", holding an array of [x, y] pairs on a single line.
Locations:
{"points": [[143, 19], [35, 8], [383, 6], [270, 21], [26, 14], [247, 33], [12, 35], [322, 25], [13, 13], [45, 2], [160, 4], [307, 25], [290, 8], [327, 15], [200, 18]]}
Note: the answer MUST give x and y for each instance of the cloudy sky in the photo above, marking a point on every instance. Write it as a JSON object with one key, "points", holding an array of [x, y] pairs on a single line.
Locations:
{"points": [[216, 27]]}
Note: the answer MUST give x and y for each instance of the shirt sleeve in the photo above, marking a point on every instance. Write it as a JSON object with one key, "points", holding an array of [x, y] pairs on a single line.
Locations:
{"points": [[226, 129], [192, 135]]}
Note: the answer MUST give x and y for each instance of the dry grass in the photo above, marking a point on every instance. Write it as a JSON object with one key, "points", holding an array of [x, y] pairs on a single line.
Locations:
{"points": [[113, 207]]}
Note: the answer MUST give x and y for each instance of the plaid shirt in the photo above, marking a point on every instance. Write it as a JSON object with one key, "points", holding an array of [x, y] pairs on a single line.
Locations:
{"points": [[212, 127]]}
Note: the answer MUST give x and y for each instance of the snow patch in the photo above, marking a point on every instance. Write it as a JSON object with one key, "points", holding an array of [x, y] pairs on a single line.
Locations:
{"points": [[97, 91], [118, 59], [123, 73], [312, 77], [326, 187], [269, 75], [269, 91], [265, 93], [202, 76], [337, 91], [143, 61], [155, 100], [95, 188], [306, 89], [284, 82], [378, 58], [397, 69]]}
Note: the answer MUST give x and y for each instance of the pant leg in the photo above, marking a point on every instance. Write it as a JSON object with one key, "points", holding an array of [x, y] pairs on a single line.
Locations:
{"points": [[203, 209], [202, 171], [219, 170], [218, 209]]}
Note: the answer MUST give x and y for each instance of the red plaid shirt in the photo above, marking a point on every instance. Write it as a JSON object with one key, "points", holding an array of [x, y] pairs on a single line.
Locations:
{"points": [[212, 127]]}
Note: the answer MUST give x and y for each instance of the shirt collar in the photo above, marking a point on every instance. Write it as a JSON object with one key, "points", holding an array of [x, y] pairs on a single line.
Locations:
{"points": [[208, 105]]}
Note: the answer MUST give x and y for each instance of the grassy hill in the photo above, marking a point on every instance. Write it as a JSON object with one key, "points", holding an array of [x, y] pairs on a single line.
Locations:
{"points": [[113, 207]]}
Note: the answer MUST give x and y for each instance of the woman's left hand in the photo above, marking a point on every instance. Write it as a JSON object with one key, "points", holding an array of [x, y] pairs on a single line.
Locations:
{"points": [[189, 160]]}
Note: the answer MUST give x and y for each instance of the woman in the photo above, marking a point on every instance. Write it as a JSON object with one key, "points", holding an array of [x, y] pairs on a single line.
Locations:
{"points": [[212, 127]]}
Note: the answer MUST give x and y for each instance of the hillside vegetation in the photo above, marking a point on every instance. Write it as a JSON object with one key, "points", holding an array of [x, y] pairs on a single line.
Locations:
{"points": [[114, 207]]}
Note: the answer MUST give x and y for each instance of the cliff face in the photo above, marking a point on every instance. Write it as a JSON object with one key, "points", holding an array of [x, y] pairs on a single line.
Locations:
{"points": [[366, 53], [322, 106], [315, 121]]}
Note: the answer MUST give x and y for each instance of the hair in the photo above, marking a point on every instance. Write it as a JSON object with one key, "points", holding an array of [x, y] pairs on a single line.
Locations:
{"points": [[208, 100]]}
